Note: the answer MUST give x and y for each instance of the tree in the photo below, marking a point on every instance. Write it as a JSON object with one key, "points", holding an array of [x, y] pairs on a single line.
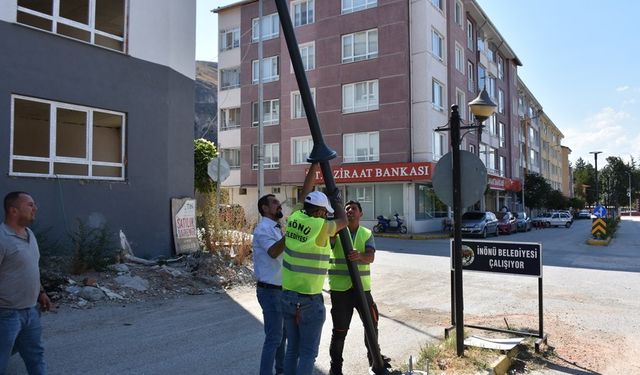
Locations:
{"points": [[555, 200], [584, 181], [615, 177], [203, 152], [536, 190]]}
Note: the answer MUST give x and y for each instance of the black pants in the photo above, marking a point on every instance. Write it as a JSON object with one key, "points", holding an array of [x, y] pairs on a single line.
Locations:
{"points": [[342, 305]]}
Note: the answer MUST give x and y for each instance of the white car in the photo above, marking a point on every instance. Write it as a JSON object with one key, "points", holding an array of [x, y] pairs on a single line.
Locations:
{"points": [[558, 219]]}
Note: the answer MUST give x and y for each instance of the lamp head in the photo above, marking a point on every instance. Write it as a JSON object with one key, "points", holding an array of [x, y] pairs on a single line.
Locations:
{"points": [[482, 107]]}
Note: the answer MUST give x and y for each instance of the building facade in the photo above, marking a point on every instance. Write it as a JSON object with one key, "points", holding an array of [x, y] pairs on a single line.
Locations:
{"points": [[383, 75], [97, 104]]}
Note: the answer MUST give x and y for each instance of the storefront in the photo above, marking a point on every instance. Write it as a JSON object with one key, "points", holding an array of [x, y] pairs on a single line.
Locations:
{"points": [[387, 189]]}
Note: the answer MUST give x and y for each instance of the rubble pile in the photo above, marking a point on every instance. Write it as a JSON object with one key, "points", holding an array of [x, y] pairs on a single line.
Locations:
{"points": [[129, 282]]}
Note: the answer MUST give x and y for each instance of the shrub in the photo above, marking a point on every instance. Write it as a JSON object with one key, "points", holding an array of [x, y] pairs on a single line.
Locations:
{"points": [[93, 248]]}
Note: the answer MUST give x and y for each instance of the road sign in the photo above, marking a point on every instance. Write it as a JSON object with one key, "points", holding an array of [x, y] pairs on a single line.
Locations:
{"points": [[517, 258], [218, 169], [599, 227], [473, 176], [600, 211]]}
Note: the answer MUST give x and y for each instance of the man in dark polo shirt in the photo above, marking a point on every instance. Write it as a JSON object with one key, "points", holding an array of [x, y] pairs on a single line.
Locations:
{"points": [[20, 287]]}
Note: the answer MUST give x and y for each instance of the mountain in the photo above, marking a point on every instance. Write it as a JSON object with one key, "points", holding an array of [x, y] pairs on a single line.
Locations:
{"points": [[206, 101]]}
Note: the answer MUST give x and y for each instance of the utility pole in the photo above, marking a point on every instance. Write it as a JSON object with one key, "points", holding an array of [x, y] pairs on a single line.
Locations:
{"points": [[595, 155]]}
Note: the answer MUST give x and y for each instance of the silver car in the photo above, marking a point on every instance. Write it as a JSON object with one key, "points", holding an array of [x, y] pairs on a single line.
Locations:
{"points": [[476, 223]]}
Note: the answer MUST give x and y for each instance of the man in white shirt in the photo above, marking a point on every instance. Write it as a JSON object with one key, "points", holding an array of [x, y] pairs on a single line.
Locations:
{"points": [[268, 245]]}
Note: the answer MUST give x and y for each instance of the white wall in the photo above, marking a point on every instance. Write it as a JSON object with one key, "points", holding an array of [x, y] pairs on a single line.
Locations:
{"points": [[164, 32], [8, 10], [425, 67]]}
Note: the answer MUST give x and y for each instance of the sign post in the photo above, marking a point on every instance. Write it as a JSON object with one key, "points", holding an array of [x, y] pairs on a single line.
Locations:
{"points": [[515, 258]]}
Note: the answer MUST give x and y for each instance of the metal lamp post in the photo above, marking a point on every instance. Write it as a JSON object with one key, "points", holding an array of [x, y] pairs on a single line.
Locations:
{"points": [[482, 107], [595, 155], [629, 193], [321, 153]]}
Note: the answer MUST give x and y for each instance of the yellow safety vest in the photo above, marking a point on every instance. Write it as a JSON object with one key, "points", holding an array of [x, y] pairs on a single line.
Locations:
{"points": [[339, 278], [305, 264]]}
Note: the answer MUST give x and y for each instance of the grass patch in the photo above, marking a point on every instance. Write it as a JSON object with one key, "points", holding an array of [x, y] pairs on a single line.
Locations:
{"points": [[442, 358]]}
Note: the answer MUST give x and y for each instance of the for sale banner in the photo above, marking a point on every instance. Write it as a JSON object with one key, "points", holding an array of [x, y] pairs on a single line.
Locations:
{"points": [[185, 234]]}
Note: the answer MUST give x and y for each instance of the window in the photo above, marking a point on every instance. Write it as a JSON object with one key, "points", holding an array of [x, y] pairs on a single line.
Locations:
{"points": [[300, 149], [500, 101], [270, 114], [270, 69], [491, 86], [482, 77], [360, 46], [271, 156], [471, 85], [361, 147], [502, 166], [360, 97], [229, 39], [297, 109], [53, 139], [437, 95], [469, 35], [270, 27], [438, 4], [483, 153], [502, 134], [99, 22], [232, 156], [349, 6], [439, 145], [472, 149], [462, 106], [493, 127], [302, 12], [500, 67], [229, 78], [492, 158], [459, 56], [457, 16], [229, 118], [437, 45], [308, 54]]}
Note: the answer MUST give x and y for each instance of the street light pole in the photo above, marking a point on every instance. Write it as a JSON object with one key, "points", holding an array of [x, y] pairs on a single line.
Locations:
{"points": [[482, 107], [595, 155], [629, 193]]}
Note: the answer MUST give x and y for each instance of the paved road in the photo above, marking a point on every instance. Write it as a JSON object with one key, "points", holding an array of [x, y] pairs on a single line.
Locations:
{"points": [[592, 299]]}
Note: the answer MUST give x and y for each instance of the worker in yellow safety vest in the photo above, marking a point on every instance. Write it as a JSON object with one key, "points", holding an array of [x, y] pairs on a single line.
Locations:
{"points": [[304, 269], [343, 295]]}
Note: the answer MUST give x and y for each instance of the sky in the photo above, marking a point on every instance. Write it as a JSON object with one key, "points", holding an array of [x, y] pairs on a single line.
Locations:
{"points": [[580, 59]]}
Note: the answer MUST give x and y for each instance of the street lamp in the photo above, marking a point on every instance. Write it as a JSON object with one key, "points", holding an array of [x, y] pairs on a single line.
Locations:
{"points": [[595, 155], [482, 107], [629, 193]]}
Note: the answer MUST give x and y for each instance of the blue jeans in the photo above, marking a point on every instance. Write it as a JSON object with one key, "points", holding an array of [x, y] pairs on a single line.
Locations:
{"points": [[303, 320], [274, 340], [20, 329]]}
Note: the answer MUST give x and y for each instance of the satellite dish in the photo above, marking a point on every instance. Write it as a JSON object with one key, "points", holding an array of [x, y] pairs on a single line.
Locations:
{"points": [[473, 178], [218, 169]]}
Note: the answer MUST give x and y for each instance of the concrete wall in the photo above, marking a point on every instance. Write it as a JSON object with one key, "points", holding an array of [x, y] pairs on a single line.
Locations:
{"points": [[158, 103]]}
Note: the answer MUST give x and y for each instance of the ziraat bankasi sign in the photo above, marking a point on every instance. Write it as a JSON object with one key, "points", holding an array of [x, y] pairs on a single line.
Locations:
{"points": [[380, 172], [518, 258]]}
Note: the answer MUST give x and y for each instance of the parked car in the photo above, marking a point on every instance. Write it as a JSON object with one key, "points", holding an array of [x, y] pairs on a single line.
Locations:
{"points": [[555, 219], [523, 222], [479, 223], [541, 220], [584, 214], [507, 223]]}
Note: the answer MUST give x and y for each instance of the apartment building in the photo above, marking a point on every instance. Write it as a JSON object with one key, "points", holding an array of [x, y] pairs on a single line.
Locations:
{"points": [[551, 152], [97, 111], [383, 75]]}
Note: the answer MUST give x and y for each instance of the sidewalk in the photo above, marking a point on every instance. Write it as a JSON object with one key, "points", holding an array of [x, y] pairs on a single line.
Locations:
{"points": [[416, 236]]}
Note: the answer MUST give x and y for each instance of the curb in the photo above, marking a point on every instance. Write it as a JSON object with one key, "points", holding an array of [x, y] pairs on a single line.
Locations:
{"points": [[434, 236], [599, 242], [502, 364]]}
